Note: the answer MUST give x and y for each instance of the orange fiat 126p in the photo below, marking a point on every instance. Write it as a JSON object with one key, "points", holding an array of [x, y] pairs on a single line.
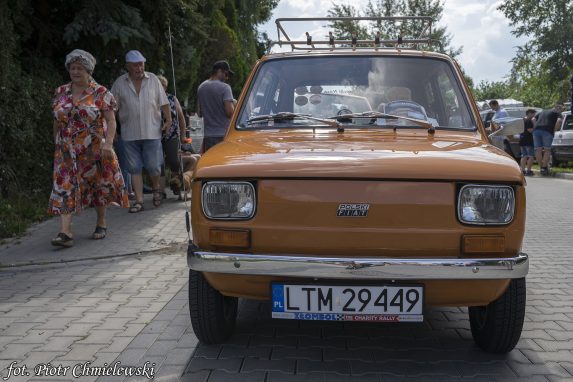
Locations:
{"points": [[357, 183]]}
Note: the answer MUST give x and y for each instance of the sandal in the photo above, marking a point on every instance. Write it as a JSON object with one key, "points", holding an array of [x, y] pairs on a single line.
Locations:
{"points": [[62, 240], [99, 233], [137, 207], [157, 197]]}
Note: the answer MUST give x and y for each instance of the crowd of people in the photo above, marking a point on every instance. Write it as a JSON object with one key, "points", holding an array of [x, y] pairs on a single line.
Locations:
{"points": [[537, 136], [138, 118]]}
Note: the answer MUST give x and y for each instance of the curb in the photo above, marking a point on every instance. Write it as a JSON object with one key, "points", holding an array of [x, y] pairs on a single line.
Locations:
{"points": [[558, 175]]}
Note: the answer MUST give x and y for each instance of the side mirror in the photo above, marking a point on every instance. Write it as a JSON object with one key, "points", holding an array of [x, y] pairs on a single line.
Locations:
{"points": [[508, 126]]}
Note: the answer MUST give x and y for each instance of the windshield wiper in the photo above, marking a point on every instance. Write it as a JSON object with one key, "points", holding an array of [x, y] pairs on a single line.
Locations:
{"points": [[377, 114], [285, 115]]}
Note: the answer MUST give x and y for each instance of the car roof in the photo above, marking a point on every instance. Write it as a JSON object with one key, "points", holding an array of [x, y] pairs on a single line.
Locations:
{"points": [[361, 52]]}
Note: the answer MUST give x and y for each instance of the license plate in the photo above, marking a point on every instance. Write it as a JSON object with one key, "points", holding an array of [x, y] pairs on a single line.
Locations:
{"points": [[381, 303]]}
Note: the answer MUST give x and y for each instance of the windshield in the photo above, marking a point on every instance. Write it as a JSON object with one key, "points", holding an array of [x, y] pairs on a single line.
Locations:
{"points": [[325, 87]]}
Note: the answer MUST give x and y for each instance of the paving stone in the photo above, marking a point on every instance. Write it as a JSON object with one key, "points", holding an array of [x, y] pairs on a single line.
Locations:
{"points": [[549, 368], [17, 351], [229, 351], [57, 344], [172, 332], [550, 356], [169, 373], [36, 336], [114, 324], [144, 340], [254, 364], [231, 365], [187, 341], [221, 376], [131, 357], [274, 376], [311, 354], [339, 367], [161, 347], [81, 352], [199, 376]]}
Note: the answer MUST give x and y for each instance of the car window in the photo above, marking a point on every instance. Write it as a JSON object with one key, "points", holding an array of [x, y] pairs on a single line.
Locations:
{"points": [[568, 125], [415, 87]]}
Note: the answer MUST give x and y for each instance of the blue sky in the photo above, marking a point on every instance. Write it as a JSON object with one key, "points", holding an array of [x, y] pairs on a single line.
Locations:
{"points": [[476, 25]]}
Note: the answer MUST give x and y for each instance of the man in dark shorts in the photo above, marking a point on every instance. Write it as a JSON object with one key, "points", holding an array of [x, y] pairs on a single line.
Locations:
{"points": [[546, 122], [216, 104], [526, 143]]}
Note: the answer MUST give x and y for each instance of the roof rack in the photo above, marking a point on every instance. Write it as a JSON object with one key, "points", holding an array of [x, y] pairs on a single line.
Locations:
{"points": [[377, 42]]}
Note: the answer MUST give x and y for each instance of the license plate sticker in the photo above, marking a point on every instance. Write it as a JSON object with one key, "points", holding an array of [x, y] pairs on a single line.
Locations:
{"points": [[380, 303]]}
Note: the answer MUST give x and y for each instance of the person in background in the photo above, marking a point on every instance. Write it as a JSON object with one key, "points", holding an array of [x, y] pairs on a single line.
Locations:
{"points": [[86, 170], [499, 111], [216, 104], [526, 143], [172, 138], [120, 151], [141, 100], [546, 122]]}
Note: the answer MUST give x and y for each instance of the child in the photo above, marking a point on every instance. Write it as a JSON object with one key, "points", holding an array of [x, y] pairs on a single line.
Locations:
{"points": [[526, 143]]}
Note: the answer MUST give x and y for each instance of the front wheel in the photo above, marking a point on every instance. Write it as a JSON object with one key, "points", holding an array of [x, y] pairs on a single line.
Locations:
{"points": [[496, 327], [213, 315]]}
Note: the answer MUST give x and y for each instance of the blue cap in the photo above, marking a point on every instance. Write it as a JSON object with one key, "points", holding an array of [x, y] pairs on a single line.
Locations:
{"points": [[134, 56]]}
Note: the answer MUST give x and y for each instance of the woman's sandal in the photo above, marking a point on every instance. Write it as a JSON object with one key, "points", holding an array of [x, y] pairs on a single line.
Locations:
{"points": [[62, 240], [157, 197], [99, 233], [136, 207]]}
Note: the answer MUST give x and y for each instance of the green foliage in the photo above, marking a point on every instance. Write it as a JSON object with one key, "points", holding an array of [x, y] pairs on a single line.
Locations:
{"points": [[390, 30], [37, 35], [541, 68], [548, 23], [486, 90]]}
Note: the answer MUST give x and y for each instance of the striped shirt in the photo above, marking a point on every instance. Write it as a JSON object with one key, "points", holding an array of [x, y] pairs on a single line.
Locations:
{"points": [[139, 114]]}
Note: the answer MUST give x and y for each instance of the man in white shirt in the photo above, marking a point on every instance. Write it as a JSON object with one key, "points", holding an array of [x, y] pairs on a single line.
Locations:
{"points": [[500, 112], [141, 99]]}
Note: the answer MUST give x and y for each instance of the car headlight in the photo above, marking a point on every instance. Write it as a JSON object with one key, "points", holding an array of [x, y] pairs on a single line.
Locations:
{"points": [[483, 204], [228, 200]]}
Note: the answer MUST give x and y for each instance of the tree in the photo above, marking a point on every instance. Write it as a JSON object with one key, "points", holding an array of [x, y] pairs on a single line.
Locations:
{"points": [[37, 35], [542, 67], [389, 30], [486, 90]]}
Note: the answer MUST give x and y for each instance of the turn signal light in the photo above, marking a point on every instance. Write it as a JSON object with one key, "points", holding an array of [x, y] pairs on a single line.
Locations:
{"points": [[483, 244], [230, 238]]}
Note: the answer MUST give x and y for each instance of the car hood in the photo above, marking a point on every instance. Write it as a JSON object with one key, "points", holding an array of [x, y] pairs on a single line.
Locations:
{"points": [[353, 155]]}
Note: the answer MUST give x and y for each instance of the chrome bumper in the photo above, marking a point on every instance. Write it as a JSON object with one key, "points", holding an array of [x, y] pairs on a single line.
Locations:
{"points": [[357, 268]]}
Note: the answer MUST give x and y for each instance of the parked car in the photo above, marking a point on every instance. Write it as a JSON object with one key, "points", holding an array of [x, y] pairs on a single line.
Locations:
{"points": [[562, 146], [368, 216], [507, 142]]}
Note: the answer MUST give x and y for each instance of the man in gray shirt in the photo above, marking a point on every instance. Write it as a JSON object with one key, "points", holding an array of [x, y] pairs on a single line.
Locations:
{"points": [[216, 104]]}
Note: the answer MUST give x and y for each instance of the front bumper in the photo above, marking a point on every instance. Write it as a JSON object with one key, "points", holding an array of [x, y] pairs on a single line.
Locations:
{"points": [[357, 268], [562, 152]]}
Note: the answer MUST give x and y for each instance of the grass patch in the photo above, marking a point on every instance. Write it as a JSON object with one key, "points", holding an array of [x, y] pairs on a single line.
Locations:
{"points": [[18, 212], [563, 168]]}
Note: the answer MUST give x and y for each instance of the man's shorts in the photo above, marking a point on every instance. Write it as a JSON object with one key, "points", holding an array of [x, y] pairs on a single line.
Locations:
{"points": [[542, 139], [527, 152], [144, 153]]}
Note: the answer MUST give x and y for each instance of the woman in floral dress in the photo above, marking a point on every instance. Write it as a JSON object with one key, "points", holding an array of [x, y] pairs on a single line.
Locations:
{"points": [[86, 170]]}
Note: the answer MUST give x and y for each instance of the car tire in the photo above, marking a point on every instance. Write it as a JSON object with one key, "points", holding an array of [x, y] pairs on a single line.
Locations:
{"points": [[554, 162], [496, 327], [213, 315]]}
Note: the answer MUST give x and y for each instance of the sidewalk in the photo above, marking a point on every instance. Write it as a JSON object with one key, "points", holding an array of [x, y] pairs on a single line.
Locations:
{"points": [[150, 230]]}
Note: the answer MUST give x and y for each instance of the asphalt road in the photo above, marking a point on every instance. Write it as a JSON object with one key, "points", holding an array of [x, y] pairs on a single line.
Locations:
{"points": [[134, 309]]}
